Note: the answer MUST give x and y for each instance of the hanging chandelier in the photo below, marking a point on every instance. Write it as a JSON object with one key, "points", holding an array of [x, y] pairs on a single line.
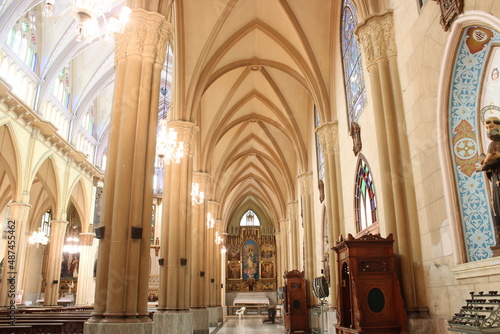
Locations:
{"points": [[86, 14], [197, 196], [167, 147], [72, 245], [38, 238]]}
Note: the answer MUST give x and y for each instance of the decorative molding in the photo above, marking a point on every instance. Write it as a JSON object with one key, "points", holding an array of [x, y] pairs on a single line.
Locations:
{"points": [[86, 239], [146, 34], [305, 180], [376, 35], [328, 135], [213, 208], [450, 9], [374, 266], [203, 180], [58, 227], [355, 133], [186, 133], [293, 208]]}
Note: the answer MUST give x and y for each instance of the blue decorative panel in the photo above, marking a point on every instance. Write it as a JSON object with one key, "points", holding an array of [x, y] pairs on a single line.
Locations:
{"points": [[464, 127], [250, 259]]}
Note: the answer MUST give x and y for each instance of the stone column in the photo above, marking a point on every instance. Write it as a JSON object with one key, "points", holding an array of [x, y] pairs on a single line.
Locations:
{"points": [[280, 255], [293, 236], [57, 233], [284, 246], [176, 239], [198, 277], [305, 180], [377, 38], [14, 260], [86, 286], [328, 137], [218, 274], [123, 260], [211, 272]]}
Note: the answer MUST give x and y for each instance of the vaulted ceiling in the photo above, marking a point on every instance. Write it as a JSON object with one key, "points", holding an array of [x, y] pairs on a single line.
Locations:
{"points": [[248, 73]]}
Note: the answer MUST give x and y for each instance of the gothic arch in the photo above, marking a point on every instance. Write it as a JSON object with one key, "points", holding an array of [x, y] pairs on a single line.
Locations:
{"points": [[467, 201]]}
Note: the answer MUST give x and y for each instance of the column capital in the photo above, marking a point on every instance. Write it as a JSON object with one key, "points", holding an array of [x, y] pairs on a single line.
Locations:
{"points": [[292, 208], [86, 239], [328, 135], [203, 180], [146, 34], [186, 133], [305, 180], [213, 208], [376, 35], [19, 210], [58, 227]]}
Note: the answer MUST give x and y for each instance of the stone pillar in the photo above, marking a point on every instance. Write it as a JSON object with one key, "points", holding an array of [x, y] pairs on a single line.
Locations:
{"points": [[285, 247], [280, 254], [176, 240], [328, 137], [218, 272], [294, 236], [12, 274], [305, 180], [57, 233], [376, 34], [198, 277], [86, 286], [123, 260], [212, 249]]}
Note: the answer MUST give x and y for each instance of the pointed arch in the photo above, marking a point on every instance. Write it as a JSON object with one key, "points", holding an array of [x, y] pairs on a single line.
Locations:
{"points": [[467, 202]]}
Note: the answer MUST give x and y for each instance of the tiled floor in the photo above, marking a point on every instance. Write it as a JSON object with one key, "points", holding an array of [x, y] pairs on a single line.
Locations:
{"points": [[247, 325]]}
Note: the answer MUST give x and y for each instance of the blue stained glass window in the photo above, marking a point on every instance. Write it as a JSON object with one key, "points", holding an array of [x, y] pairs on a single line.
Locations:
{"points": [[319, 152], [354, 80]]}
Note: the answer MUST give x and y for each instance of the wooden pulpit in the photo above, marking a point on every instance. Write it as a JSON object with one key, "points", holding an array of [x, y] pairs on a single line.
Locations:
{"points": [[294, 302], [369, 294]]}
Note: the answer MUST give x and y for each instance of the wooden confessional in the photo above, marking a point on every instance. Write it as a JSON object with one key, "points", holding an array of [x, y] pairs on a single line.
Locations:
{"points": [[294, 302], [369, 294]]}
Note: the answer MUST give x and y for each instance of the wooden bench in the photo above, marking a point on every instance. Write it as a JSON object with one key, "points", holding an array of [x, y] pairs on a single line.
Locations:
{"points": [[34, 328]]}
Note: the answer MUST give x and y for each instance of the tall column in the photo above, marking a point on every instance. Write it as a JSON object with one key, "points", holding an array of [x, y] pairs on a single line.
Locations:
{"points": [[57, 233], [176, 236], [198, 244], [305, 180], [293, 236], [218, 273], [280, 255], [285, 247], [86, 287], [328, 137], [124, 251], [12, 274], [380, 54]]}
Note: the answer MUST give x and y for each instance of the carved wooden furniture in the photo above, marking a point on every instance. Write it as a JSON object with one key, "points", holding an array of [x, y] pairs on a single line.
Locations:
{"points": [[294, 302], [369, 294]]}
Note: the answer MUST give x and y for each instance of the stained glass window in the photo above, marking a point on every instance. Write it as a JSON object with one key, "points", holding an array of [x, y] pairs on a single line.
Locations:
{"points": [[319, 152], [365, 204], [351, 60], [24, 37]]}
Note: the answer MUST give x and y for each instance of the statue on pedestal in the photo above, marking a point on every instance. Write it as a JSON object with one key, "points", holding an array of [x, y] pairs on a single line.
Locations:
{"points": [[490, 163]]}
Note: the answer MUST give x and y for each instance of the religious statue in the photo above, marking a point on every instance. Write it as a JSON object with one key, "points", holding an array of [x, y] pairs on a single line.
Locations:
{"points": [[490, 163]]}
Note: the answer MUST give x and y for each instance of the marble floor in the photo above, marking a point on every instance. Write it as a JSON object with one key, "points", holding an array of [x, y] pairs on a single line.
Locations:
{"points": [[247, 325]]}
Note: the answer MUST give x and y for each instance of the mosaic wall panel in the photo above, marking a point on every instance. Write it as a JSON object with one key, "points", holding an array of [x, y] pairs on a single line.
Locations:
{"points": [[464, 123]]}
